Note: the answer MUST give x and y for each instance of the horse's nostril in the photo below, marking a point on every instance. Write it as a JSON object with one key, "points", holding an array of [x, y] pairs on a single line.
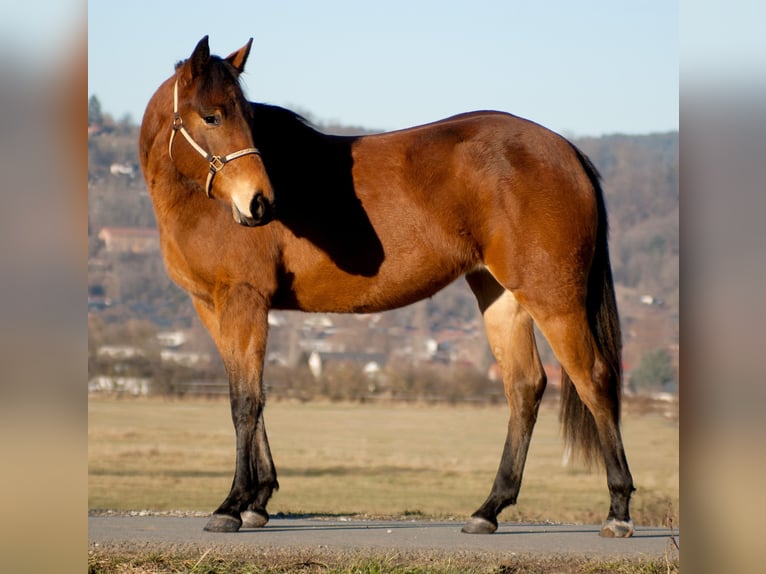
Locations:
{"points": [[260, 208]]}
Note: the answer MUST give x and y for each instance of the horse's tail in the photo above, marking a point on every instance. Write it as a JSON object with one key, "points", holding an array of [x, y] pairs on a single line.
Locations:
{"points": [[579, 427]]}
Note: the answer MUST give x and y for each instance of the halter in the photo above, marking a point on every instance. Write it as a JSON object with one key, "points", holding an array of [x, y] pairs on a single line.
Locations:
{"points": [[216, 162]]}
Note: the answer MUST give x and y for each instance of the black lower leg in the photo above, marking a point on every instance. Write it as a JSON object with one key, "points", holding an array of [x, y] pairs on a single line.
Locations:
{"points": [[245, 487], [505, 488], [256, 514], [504, 491], [620, 483]]}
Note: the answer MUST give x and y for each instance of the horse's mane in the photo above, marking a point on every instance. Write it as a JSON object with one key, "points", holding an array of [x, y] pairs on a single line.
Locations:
{"points": [[281, 122], [286, 138]]}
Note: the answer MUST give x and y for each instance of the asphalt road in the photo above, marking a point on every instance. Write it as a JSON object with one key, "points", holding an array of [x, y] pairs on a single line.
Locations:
{"points": [[175, 534]]}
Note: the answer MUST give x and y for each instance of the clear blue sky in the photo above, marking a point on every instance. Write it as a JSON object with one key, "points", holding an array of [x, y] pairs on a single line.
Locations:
{"points": [[585, 67]]}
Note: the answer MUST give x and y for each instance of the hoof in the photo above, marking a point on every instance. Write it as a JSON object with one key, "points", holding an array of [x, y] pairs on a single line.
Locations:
{"points": [[617, 529], [254, 518], [479, 526], [223, 523]]}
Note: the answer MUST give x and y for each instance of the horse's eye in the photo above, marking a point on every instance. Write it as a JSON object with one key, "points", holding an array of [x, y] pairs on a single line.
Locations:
{"points": [[212, 119]]}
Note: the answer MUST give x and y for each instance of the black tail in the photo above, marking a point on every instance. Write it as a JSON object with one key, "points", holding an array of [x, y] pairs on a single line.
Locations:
{"points": [[578, 424]]}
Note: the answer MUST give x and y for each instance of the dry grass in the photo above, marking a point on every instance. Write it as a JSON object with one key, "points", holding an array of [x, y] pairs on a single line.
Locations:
{"points": [[422, 563], [382, 460]]}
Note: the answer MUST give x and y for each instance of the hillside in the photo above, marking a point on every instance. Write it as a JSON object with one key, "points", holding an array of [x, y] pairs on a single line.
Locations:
{"points": [[131, 298]]}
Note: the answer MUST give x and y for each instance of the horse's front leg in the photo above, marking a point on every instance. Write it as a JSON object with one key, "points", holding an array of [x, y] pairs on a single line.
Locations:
{"points": [[242, 320], [256, 515]]}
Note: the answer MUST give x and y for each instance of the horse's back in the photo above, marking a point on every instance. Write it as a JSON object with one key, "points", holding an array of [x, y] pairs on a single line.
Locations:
{"points": [[470, 156], [488, 183]]}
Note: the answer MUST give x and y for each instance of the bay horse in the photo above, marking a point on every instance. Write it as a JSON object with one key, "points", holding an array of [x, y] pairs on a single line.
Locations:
{"points": [[257, 210]]}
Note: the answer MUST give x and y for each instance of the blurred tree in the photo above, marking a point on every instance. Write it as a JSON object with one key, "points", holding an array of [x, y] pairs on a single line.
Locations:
{"points": [[95, 115], [655, 370]]}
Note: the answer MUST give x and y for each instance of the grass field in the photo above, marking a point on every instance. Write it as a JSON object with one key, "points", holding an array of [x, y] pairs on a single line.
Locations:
{"points": [[380, 460], [238, 563]]}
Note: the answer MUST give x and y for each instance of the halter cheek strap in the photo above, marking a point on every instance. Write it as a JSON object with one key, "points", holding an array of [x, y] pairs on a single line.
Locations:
{"points": [[216, 162]]}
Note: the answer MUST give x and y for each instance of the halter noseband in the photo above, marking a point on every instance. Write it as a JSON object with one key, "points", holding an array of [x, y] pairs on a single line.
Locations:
{"points": [[216, 162]]}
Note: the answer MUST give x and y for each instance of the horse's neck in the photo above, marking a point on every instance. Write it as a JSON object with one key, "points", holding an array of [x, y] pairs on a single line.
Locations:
{"points": [[176, 199], [295, 154]]}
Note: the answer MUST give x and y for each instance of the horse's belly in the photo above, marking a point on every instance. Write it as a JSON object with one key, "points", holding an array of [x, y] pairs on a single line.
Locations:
{"points": [[333, 291]]}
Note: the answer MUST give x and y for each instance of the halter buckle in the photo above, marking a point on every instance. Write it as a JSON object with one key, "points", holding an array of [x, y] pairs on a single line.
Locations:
{"points": [[216, 163]]}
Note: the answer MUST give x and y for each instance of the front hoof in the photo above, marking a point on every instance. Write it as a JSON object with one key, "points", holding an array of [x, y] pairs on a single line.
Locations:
{"points": [[479, 525], [223, 523], [254, 518], [617, 529]]}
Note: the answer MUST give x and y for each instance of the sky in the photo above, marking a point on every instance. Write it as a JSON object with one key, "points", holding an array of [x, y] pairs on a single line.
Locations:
{"points": [[590, 67]]}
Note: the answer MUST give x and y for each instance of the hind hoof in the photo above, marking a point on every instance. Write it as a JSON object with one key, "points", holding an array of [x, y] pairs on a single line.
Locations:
{"points": [[617, 529], [479, 526], [223, 523], [254, 518]]}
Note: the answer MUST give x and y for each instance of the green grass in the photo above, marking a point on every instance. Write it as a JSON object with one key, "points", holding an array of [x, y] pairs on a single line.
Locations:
{"points": [[376, 460]]}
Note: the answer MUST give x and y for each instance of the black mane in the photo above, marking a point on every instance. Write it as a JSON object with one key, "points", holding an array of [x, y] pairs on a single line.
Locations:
{"points": [[274, 125]]}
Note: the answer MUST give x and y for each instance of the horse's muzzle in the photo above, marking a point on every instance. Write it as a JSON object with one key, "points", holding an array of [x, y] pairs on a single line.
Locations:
{"points": [[261, 212]]}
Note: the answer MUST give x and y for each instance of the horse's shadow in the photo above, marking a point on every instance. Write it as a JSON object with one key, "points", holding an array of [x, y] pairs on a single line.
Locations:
{"points": [[314, 190]]}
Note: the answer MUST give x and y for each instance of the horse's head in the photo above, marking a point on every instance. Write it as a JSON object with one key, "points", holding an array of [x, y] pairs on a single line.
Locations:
{"points": [[211, 140]]}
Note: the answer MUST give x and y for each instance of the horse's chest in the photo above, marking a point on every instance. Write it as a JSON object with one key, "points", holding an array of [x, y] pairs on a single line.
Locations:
{"points": [[189, 268]]}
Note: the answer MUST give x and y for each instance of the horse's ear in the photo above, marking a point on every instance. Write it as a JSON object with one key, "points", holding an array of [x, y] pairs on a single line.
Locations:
{"points": [[199, 57], [237, 59]]}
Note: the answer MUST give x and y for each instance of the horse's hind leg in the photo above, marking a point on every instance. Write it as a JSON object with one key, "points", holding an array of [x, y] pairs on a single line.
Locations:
{"points": [[597, 388], [511, 336]]}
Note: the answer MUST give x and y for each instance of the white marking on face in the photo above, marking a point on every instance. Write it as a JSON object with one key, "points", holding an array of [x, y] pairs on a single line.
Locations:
{"points": [[242, 198]]}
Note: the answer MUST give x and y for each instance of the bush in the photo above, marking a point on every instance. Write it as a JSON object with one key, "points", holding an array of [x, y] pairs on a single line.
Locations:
{"points": [[655, 371]]}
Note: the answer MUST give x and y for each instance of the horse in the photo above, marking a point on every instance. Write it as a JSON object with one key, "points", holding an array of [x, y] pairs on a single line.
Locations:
{"points": [[257, 210]]}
